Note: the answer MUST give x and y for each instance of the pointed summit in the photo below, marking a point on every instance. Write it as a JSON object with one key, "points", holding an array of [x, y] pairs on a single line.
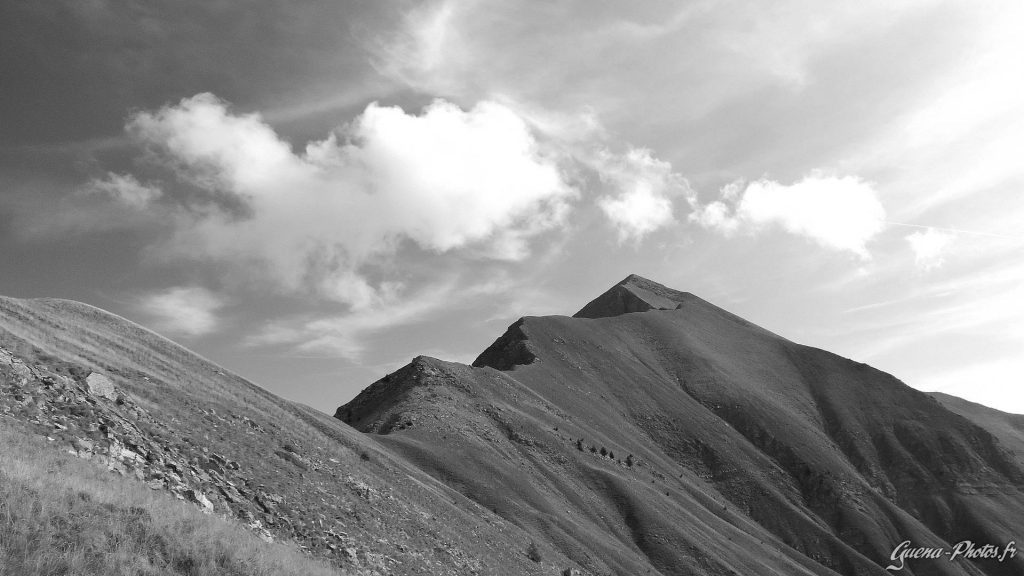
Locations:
{"points": [[634, 294]]}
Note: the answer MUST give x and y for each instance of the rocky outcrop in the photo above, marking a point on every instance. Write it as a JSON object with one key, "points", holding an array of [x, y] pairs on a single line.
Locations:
{"points": [[510, 350], [364, 411], [91, 419]]}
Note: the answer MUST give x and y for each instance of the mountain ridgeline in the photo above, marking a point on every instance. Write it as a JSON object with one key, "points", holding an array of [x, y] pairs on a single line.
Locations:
{"points": [[651, 433]]}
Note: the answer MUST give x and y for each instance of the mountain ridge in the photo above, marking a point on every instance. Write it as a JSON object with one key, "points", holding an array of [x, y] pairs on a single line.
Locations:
{"points": [[853, 456], [653, 434]]}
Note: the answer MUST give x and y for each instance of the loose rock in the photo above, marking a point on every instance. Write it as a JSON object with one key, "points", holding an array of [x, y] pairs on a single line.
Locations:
{"points": [[100, 385]]}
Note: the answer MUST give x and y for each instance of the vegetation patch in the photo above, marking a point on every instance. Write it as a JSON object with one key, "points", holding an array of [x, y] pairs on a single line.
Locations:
{"points": [[60, 515]]}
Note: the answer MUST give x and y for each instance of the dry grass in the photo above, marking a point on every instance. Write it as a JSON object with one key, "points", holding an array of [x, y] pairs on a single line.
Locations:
{"points": [[60, 515]]}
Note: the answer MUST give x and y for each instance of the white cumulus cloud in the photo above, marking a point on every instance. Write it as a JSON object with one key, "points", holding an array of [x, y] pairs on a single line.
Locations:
{"points": [[446, 179], [642, 192], [929, 247], [184, 310], [841, 213]]}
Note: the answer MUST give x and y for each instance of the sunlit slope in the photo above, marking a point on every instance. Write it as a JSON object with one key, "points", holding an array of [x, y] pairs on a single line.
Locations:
{"points": [[749, 450], [295, 474]]}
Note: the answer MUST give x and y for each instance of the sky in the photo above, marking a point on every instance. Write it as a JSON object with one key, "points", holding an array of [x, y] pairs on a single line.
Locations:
{"points": [[313, 194]]}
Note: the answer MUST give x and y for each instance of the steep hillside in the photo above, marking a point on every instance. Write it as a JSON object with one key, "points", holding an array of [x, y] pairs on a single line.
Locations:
{"points": [[657, 432], [64, 515], [131, 402]]}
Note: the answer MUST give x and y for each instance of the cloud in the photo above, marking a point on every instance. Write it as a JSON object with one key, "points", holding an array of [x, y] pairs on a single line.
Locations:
{"points": [[643, 190], [125, 189], [425, 49], [929, 247], [346, 335], [342, 335], [637, 212], [841, 213], [51, 208], [447, 179], [966, 136], [973, 313], [184, 310]]}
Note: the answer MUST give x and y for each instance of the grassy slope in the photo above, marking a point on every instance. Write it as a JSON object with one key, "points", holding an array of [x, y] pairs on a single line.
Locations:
{"points": [[62, 515], [741, 436], [481, 431], [390, 510]]}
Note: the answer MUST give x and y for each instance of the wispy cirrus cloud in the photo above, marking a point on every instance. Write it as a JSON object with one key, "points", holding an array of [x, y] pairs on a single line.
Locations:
{"points": [[125, 189], [425, 49], [969, 309], [54, 208], [346, 335], [183, 310]]}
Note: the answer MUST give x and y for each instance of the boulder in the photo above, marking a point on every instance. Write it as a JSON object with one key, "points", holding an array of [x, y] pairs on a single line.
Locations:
{"points": [[100, 385]]}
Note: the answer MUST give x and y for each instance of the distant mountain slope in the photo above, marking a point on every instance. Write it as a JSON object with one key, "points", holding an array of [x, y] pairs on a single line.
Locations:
{"points": [[180, 423], [750, 454], [1008, 428]]}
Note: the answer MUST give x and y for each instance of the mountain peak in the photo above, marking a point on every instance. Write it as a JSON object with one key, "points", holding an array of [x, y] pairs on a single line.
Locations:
{"points": [[633, 294], [637, 278]]}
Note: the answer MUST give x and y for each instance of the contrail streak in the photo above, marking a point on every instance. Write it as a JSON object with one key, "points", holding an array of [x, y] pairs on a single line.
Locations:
{"points": [[956, 230]]}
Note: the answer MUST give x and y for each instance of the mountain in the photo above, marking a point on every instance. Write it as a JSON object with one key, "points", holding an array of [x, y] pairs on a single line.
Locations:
{"points": [[651, 433], [730, 450], [127, 400]]}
